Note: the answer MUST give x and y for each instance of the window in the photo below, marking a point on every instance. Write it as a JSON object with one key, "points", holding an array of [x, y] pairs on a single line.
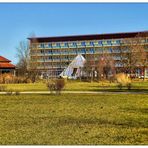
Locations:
{"points": [[87, 44], [74, 51], [117, 41], [117, 58], [66, 44], [143, 41], [42, 51], [56, 52], [46, 45], [91, 50], [109, 42], [83, 51], [74, 44], [79, 51], [118, 64], [104, 42], [92, 43], [100, 50], [66, 57], [100, 43], [110, 50], [50, 51], [65, 52], [49, 45], [83, 43], [79, 44], [41, 45], [58, 44], [54, 45], [87, 51], [50, 57]]}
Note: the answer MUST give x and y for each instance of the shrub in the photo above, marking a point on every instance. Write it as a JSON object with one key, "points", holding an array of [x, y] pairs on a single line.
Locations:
{"points": [[56, 85], [6, 78], [51, 86], [59, 83], [21, 80], [123, 80]]}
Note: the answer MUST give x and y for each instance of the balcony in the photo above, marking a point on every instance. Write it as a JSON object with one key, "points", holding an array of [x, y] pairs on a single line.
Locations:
{"points": [[117, 58]]}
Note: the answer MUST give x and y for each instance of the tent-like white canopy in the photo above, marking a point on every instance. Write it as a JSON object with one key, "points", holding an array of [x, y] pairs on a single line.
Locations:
{"points": [[74, 68]]}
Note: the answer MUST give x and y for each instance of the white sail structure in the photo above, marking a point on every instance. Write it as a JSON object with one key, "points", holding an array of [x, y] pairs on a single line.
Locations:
{"points": [[73, 70]]}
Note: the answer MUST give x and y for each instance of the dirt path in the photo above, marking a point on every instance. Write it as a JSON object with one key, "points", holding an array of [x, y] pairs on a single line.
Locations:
{"points": [[72, 92]]}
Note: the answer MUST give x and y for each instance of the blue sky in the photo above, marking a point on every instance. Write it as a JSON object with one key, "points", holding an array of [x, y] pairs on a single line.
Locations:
{"points": [[19, 20]]}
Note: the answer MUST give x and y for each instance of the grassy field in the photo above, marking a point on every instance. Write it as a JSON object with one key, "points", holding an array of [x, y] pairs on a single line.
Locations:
{"points": [[80, 119], [79, 86]]}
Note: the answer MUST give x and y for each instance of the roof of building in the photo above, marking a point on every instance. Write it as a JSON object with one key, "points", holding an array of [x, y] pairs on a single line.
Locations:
{"points": [[3, 59], [6, 65], [87, 37]]}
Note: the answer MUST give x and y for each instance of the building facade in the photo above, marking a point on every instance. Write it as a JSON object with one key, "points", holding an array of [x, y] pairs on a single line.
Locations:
{"points": [[51, 55], [6, 66]]}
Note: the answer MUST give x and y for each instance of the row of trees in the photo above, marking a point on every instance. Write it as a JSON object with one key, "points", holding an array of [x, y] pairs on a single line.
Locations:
{"points": [[132, 54], [136, 56], [102, 68]]}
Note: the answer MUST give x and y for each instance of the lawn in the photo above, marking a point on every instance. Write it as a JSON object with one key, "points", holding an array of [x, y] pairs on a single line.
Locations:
{"points": [[81, 119], [79, 86]]}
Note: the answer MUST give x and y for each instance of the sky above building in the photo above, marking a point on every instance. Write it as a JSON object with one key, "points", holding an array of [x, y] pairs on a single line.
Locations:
{"points": [[21, 20]]}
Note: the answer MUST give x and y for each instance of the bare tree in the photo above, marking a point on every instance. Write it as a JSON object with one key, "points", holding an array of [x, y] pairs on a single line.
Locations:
{"points": [[100, 67], [27, 54], [89, 67], [23, 57], [33, 64], [135, 54], [106, 66]]}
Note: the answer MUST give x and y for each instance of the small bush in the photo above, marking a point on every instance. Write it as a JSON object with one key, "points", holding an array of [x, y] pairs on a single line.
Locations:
{"points": [[60, 83], [21, 80], [56, 85], [123, 80], [51, 86], [6, 78]]}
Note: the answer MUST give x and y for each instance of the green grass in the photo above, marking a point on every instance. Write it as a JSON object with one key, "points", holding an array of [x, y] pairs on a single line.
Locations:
{"points": [[80, 119], [80, 86]]}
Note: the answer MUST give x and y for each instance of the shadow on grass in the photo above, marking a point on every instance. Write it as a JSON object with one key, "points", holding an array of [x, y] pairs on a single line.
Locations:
{"points": [[80, 122], [116, 89], [136, 110], [113, 90], [123, 90]]}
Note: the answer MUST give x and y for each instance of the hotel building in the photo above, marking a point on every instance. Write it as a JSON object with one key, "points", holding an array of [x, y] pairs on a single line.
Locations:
{"points": [[52, 55]]}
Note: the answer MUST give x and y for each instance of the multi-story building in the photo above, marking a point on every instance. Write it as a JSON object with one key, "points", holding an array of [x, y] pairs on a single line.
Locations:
{"points": [[52, 55]]}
